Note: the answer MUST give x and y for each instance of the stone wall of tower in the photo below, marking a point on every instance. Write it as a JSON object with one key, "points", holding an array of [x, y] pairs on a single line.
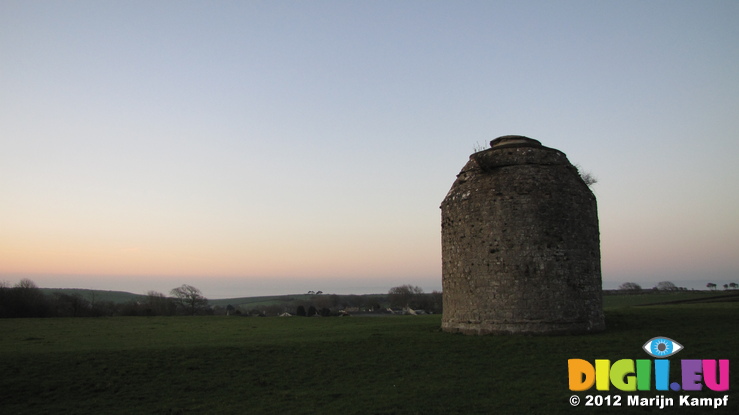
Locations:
{"points": [[520, 244]]}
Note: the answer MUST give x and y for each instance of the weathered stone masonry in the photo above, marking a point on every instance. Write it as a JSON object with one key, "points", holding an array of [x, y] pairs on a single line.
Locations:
{"points": [[520, 244]]}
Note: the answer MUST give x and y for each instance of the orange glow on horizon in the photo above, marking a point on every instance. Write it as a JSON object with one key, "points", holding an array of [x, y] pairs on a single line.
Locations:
{"points": [[263, 260]]}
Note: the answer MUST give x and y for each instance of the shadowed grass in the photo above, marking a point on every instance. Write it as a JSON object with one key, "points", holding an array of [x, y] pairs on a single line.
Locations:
{"points": [[665, 297], [230, 365]]}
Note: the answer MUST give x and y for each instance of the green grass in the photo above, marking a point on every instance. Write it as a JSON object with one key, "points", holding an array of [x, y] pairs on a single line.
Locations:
{"points": [[354, 365], [651, 297]]}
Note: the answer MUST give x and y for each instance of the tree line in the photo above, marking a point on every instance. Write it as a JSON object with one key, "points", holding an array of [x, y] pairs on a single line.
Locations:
{"points": [[669, 286], [403, 297], [413, 297], [25, 299]]}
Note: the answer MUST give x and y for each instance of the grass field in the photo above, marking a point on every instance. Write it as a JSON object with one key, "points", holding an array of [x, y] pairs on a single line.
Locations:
{"points": [[354, 365], [653, 298]]}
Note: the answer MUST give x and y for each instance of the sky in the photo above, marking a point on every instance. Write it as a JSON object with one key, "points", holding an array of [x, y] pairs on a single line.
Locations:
{"points": [[275, 147]]}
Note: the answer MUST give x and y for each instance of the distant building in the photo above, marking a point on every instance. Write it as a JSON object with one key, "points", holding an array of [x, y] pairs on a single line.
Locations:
{"points": [[520, 244]]}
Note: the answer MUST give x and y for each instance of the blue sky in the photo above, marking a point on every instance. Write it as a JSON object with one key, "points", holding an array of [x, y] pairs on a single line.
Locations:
{"points": [[282, 146]]}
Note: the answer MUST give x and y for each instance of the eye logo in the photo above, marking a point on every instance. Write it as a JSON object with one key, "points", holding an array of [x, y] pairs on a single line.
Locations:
{"points": [[662, 347], [631, 375]]}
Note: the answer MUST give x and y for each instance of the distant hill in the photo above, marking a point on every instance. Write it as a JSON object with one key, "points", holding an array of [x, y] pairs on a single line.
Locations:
{"points": [[612, 298], [291, 301], [287, 300], [96, 295], [262, 300]]}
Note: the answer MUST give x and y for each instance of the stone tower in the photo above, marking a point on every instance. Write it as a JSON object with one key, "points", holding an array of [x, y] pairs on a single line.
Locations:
{"points": [[520, 244]]}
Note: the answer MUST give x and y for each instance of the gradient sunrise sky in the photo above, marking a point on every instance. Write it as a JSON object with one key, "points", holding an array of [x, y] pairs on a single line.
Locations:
{"points": [[274, 147]]}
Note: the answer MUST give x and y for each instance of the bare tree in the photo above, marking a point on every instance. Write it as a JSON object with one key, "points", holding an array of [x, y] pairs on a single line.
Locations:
{"points": [[71, 305], [189, 298], [437, 301], [630, 286], [26, 284], [666, 286], [27, 300], [159, 305], [404, 295]]}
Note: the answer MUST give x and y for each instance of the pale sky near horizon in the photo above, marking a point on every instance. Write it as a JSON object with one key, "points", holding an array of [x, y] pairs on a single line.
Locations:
{"points": [[274, 147]]}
